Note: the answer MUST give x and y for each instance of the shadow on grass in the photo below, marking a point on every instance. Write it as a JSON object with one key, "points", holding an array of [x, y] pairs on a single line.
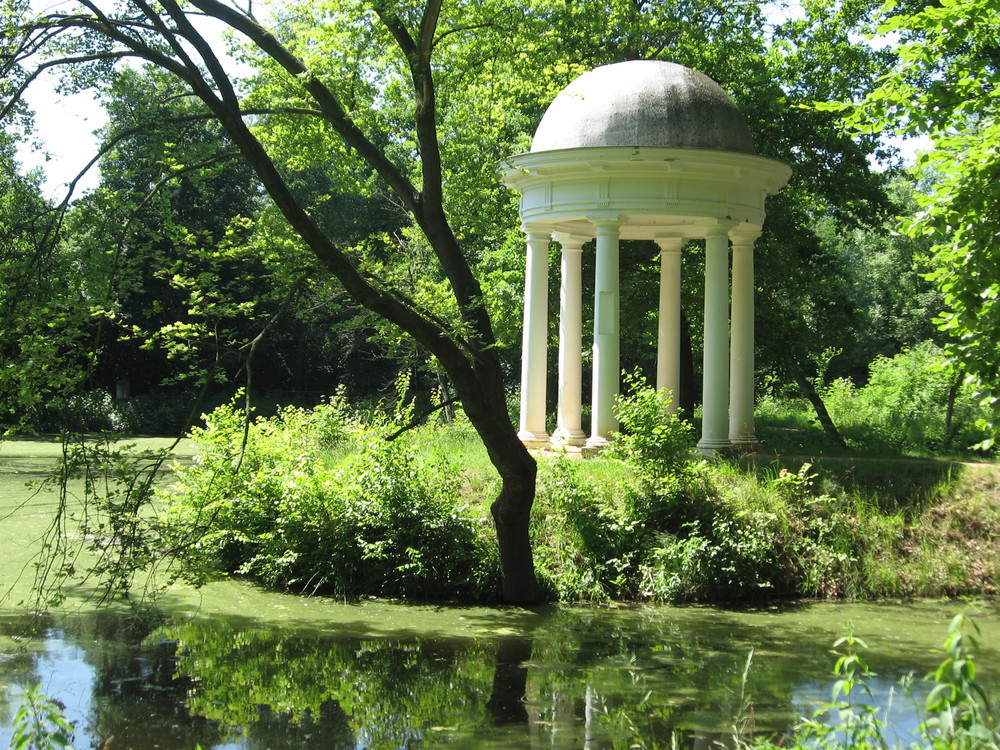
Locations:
{"points": [[889, 484], [884, 476]]}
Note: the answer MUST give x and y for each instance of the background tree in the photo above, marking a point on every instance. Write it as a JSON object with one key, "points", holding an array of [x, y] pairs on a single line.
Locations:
{"points": [[464, 343], [194, 267], [944, 86], [44, 315]]}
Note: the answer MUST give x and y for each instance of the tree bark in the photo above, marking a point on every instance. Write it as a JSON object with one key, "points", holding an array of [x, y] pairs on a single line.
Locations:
{"points": [[486, 406], [447, 400], [809, 391]]}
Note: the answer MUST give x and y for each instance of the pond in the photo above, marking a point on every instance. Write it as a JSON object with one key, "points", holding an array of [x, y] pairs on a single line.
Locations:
{"points": [[229, 666]]}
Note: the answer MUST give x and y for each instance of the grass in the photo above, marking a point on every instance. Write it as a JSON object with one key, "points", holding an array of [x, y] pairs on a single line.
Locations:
{"points": [[854, 527], [807, 525]]}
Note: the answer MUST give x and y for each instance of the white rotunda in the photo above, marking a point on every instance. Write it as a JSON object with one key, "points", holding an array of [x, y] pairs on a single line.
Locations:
{"points": [[644, 150]]}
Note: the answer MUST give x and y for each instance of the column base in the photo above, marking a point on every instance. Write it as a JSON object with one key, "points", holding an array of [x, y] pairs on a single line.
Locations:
{"points": [[744, 446], [533, 439], [597, 443], [563, 436], [712, 448]]}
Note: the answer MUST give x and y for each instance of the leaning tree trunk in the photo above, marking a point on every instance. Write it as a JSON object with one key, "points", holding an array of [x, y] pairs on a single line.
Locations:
{"points": [[469, 358], [809, 391], [484, 403]]}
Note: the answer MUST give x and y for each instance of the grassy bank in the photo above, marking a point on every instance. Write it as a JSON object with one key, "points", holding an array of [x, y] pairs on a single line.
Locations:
{"points": [[319, 502]]}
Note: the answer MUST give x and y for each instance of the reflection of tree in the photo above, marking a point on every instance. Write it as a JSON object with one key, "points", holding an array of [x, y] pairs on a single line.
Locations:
{"points": [[275, 727], [580, 678], [510, 677], [384, 692], [136, 697], [565, 678]]}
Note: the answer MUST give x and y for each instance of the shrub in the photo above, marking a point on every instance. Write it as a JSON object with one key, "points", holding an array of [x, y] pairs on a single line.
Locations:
{"points": [[282, 508], [656, 529], [593, 538], [657, 443], [573, 532], [903, 405]]}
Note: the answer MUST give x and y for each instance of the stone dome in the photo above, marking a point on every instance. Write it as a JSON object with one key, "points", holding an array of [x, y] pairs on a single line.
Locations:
{"points": [[643, 103]]}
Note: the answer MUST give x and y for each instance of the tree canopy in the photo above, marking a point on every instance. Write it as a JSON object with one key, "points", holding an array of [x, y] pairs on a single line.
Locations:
{"points": [[400, 111], [944, 87], [403, 154]]}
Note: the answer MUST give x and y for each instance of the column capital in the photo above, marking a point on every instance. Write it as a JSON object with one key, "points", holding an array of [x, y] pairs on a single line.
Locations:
{"points": [[537, 231], [718, 227], [744, 239], [670, 243], [606, 222], [571, 242]]}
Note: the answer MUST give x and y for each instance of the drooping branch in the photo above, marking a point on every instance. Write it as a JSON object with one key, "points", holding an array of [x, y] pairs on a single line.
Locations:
{"points": [[49, 65], [419, 418]]}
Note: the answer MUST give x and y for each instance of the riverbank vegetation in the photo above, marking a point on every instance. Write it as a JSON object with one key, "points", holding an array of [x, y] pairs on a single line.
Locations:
{"points": [[334, 217], [320, 501]]}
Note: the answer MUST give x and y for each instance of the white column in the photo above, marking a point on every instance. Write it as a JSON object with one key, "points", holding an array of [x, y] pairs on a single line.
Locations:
{"points": [[569, 429], [606, 344], [668, 328], [741, 362], [533, 365], [715, 370]]}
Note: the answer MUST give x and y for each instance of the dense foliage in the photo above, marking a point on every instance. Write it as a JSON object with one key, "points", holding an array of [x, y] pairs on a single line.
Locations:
{"points": [[202, 271], [334, 216], [943, 87], [910, 404], [314, 501], [319, 500], [44, 346]]}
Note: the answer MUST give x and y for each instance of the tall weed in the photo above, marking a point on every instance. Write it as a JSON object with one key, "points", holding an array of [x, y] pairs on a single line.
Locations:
{"points": [[315, 501], [40, 723], [957, 713]]}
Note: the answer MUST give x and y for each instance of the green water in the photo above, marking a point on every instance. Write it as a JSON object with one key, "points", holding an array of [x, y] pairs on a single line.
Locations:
{"points": [[229, 666]]}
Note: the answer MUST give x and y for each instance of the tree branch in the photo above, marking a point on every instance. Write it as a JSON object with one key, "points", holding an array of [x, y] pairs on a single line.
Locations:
{"points": [[58, 62], [421, 417], [328, 102]]}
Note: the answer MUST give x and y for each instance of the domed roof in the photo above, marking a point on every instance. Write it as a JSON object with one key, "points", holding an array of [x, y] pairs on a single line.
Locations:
{"points": [[643, 103]]}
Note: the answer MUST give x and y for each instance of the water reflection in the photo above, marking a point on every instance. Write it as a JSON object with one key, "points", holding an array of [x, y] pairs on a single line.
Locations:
{"points": [[574, 678]]}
